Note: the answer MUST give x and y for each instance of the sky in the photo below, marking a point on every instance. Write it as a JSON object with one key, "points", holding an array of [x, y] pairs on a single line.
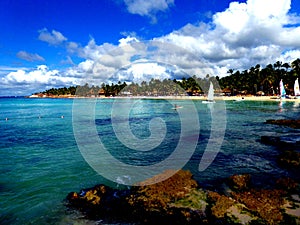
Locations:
{"points": [[55, 43]]}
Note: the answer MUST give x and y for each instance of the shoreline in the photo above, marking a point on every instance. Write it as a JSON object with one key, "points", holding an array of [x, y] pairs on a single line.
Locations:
{"points": [[200, 98]]}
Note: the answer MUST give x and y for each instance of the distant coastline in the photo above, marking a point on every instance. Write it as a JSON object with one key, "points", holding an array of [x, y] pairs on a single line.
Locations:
{"points": [[203, 97]]}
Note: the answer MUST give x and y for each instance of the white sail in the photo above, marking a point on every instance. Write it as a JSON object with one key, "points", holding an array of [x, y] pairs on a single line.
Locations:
{"points": [[210, 96], [282, 90], [296, 88]]}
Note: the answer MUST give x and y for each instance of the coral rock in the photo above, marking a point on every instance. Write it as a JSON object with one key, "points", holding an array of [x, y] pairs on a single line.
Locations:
{"points": [[240, 182]]}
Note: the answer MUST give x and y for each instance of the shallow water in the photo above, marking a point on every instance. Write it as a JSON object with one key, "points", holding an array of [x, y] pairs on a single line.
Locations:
{"points": [[41, 162]]}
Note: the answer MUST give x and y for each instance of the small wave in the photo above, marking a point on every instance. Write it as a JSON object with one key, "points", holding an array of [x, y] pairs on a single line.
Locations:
{"points": [[252, 163]]}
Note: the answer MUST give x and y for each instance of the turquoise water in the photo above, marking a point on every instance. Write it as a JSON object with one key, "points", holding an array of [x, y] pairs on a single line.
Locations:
{"points": [[41, 162]]}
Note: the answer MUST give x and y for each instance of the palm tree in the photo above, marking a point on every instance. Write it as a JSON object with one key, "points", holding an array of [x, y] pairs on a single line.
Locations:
{"points": [[230, 71], [278, 65], [296, 66], [286, 66]]}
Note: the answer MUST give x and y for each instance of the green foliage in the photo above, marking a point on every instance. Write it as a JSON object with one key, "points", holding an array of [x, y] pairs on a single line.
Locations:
{"points": [[60, 91], [266, 79]]}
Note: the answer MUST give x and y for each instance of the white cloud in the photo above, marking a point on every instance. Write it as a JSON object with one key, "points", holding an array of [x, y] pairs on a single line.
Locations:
{"points": [[243, 35], [40, 75], [139, 72], [289, 37], [289, 56], [108, 66], [268, 9], [127, 40], [91, 51], [53, 38], [234, 19], [148, 7], [31, 57], [27, 82]]}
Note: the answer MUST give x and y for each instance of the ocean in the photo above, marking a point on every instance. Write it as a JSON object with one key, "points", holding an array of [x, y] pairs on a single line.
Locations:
{"points": [[45, 146]]}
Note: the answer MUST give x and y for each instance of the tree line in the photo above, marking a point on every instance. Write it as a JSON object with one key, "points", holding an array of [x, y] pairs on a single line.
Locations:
{"points": [[252, 81], [265, 80]]}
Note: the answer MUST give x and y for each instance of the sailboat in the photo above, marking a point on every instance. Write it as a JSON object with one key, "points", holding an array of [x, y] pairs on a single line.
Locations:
{"points": [[296, 89], [282, 90], [210, 96]]}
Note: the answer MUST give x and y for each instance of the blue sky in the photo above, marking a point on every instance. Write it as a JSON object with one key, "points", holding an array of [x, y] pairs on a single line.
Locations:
{"points": [[50, 43]]}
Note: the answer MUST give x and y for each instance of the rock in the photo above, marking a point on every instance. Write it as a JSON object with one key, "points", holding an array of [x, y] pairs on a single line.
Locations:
{"points": [[99, 201], [173, 201], [175, 197], [270, 140], [221, 204], [267, 204], [240, 182], [179, 200], [281, 141], [289, 159], [226, 210], [285, 122], [288, 184]]}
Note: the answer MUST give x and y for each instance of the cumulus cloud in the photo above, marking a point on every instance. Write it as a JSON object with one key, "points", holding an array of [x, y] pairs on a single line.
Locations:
{"points": [[31, 57], [91, 51], [142, 60], [27, 82], [148, 7], [41, 75], [143, 71], [243, 35], [127, 40], [52, 38]]}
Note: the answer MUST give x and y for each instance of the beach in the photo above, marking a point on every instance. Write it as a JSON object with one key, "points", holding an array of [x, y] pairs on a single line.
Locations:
{"points": [[185, 97]]}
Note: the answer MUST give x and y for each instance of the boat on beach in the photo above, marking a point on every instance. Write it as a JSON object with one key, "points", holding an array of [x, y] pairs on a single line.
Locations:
{"points": [[210, 96], [282, 90], [296, 89]]}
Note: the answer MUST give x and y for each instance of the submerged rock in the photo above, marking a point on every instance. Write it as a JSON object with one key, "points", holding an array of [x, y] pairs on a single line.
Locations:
{"points": [[291, 141], [270, 140], [288, 184], [285, 122], [289, 159]]}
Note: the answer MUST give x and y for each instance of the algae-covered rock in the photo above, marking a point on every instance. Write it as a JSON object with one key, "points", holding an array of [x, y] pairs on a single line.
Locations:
{"points": [[179, 200], [240, 182], [267, 204], [220, 204], [192, 206], [157, 196], [100, 201], [227, 210], [172, 201], [175, 197]]}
